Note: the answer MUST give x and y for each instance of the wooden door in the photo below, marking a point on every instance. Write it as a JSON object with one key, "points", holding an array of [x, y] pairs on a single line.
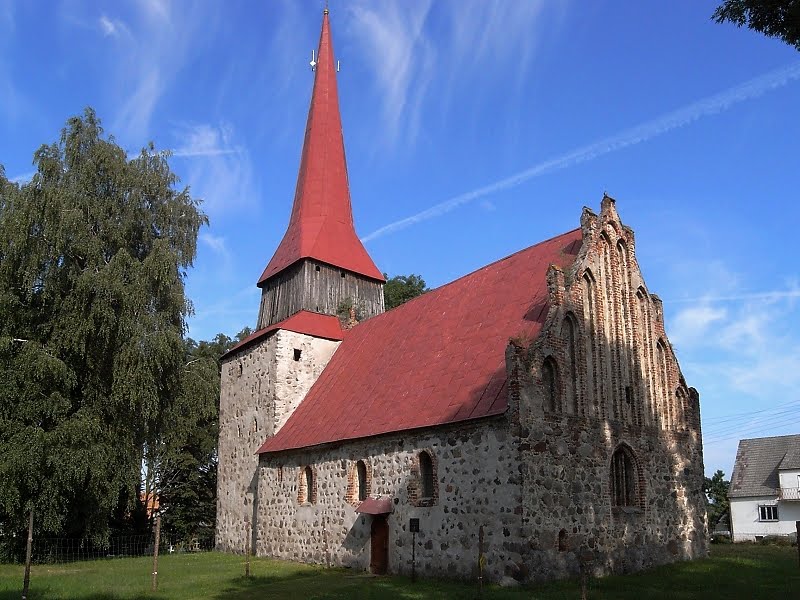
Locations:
{"points": [[379, 546]]}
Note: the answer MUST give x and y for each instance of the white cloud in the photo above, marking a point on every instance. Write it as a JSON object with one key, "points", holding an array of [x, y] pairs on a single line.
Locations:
{"points": [[215, 242], [112, 27], [400, 58], [219, 170], [693, 323]]}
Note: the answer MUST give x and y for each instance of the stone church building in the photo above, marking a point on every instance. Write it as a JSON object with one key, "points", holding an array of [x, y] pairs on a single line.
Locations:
{"points": [[529, 417]]}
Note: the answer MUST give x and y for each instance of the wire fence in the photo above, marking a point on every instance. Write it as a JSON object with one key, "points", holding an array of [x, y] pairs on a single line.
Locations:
{"points": [[59, 550]]}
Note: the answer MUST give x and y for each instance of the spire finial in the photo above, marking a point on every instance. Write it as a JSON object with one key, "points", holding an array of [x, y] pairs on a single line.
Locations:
{"points": [[325, 12]]}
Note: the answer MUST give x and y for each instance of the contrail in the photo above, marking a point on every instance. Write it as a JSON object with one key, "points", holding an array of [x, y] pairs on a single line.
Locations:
{"points": [[630, 137], [777, 295]]}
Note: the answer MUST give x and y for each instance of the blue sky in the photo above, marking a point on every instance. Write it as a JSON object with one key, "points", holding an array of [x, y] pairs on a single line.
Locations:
{"points": [[473, 128]]}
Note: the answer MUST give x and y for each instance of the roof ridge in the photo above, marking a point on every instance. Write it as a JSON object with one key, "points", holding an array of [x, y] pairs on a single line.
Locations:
{"points": [[483, 268]]}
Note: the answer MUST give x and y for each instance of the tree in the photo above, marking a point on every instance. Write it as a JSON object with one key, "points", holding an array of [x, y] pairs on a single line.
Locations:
{"points": [[402, 288], [716, 489], [773, 18], [93, 256], [184, 475]]}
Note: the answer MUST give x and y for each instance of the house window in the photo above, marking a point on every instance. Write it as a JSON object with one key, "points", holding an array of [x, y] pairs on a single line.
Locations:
{"points": [[361, 473], [624, 478], [767, 512], [425, 475], [550, 384]]}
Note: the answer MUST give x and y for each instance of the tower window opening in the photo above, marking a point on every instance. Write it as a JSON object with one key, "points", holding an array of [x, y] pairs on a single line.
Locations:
{"points": [[342, 273], [297, 354]]}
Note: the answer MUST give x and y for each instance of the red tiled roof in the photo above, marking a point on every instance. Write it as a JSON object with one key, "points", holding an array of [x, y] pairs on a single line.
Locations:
{"points": [[304, 321], [321, 224], [437, 359]]}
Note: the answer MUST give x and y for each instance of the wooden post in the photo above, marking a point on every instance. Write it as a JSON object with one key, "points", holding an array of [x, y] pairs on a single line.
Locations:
{"points": [[797, 541], [27, 581], [481, 561], [155, 553], [413, 556], [247, 549]]}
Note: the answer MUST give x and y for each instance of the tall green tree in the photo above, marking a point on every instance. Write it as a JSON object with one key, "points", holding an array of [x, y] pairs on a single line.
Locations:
{"points": [[184, 476], [93, 256], [402, 288], [716, 488], [773, 18]]}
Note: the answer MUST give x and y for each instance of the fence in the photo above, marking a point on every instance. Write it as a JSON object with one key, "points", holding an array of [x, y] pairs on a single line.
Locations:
{"points": [[57, 550]]}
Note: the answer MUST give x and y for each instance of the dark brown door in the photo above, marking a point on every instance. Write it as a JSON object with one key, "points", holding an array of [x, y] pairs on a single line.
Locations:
{"points": [[379, 551]]}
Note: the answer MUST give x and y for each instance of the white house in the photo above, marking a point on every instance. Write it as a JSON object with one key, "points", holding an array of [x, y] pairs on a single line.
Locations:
{"points": [[765, 488]]}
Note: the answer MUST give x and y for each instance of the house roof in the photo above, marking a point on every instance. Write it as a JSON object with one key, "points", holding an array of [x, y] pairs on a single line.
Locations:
{"points": [[304, 321], [755, 472], [321, 223], [437, 359], [792, 458]]}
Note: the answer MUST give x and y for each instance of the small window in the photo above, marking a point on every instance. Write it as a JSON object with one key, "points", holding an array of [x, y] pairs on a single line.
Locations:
{"points": [[297, 354], [305, 493], [767, 512], [342, 274], [623, 478], [361, 473], [562, 540], [425, 475], [629, 396], [316, 268]]}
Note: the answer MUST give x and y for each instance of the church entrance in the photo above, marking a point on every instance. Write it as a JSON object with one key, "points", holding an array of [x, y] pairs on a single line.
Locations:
{"points": [[379, 545]]}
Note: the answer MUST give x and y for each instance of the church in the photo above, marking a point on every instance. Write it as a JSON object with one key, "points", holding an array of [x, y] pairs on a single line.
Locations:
{"points": [[527, 420]]}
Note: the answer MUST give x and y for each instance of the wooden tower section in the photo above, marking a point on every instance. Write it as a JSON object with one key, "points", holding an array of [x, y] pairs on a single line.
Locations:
{"points": [[321, 265]]}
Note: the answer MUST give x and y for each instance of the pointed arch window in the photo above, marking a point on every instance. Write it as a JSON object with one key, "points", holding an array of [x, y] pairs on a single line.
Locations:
{"points": [[663, 391], [569, 332], [550, 385], [624, 478]]}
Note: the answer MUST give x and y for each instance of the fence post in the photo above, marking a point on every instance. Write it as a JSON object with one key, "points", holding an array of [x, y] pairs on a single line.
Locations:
{"points": [[155, 553], [27, 581], [247, 538], [797, 541]]}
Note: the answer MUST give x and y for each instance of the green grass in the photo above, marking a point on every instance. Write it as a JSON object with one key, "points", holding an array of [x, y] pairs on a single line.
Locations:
{"points": [[740, 571]]}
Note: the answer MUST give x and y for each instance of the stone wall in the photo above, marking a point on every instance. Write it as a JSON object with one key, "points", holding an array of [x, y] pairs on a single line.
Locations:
{"points": [[478, 484], [261, 385]]}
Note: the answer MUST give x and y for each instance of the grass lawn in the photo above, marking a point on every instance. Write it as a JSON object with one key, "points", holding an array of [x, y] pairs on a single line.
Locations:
{"points": [[741, 571]]}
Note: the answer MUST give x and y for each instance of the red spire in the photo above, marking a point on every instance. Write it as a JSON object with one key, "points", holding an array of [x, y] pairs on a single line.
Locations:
{"points": [[321, 225]]}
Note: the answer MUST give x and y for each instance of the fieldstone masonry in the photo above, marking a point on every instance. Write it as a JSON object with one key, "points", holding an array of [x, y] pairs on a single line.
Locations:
{"points": [[596, 465], [261, 386]]}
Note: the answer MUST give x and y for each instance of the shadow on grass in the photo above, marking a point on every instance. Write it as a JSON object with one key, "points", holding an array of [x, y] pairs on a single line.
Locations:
{"points": [[752, 573]]}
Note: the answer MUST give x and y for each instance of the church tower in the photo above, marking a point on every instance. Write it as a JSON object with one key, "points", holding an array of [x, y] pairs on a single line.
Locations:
{"points": [[321, 265], [319, 272]]}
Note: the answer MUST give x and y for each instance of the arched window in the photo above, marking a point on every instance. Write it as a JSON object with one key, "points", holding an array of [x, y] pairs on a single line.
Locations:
{"points": [[361, 474], [425, 475], [569, 331], [562, 540], [305, 492], [681, 420], [663, 385], [592, 400], [624, 478], [550, 384]]}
